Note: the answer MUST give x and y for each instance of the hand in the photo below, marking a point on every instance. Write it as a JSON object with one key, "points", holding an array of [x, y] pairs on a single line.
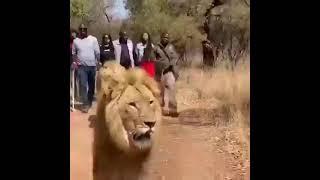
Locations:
{"points": [[75, 65], [99, 64]]}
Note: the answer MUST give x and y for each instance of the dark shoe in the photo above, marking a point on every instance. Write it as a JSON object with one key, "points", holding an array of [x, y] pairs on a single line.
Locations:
{"points": [[161, 104], [174, 114], [85, 109], [165, 112]]}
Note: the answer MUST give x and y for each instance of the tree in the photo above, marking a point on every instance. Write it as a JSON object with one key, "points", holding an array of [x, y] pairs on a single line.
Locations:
{"points": [[229, 26], [158, 16], [80, 11], [226, 23], [93, 13]]}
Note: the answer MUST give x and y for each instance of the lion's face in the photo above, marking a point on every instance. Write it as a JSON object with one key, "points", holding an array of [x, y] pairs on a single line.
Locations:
{"points": [[130, 108], [139, 111]]}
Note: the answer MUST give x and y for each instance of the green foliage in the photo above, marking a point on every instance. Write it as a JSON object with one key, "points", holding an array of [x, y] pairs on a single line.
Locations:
{"points": [[183, 19], [156, 17], [184, 29], [92, 13], [80, 9], [133, 6], [232, 29]]}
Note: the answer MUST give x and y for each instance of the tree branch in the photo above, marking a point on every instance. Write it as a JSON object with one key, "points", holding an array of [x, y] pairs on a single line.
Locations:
{"points": [[107, 17], [105, 13]]}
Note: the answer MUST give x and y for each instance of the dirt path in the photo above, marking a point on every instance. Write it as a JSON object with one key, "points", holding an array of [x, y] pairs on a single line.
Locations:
{"points": [[80, 147], [185, 154], [187, 151]]}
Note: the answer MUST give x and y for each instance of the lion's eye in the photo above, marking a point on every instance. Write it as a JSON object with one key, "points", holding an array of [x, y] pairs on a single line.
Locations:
{"points": [[151, 102], [132, 104]]}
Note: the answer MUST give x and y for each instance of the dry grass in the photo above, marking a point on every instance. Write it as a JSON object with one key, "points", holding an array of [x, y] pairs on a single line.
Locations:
{"points": [[224, 89], [221, 97], [229, 89]]}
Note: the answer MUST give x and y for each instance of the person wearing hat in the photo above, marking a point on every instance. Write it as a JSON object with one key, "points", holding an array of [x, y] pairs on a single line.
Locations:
{"points": [[167, 74], [86, 55]]}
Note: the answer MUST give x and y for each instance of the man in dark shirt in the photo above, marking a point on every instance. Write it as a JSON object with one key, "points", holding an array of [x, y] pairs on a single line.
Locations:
{"points": [[167, 74], [125, 57]]}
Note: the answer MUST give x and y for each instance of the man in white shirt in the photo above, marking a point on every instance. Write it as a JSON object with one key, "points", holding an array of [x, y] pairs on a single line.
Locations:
{"points": [[86, 54]]}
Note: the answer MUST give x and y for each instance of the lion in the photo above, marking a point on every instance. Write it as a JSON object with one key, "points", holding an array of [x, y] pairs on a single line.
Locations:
{"points": [[127, 121]]}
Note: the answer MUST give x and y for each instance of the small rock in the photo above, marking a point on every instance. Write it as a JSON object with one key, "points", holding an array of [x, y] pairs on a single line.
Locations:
{"points": [[219, 150]]}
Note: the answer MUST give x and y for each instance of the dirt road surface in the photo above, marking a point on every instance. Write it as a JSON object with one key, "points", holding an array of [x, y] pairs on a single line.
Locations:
{"points": [[188, 150]]}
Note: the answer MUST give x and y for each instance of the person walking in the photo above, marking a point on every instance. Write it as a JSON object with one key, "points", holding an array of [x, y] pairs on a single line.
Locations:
{"points": [[145, 54], [167, 74], [73, 35], [106, 49], [123, 49], [86, 54], [106, 54]]}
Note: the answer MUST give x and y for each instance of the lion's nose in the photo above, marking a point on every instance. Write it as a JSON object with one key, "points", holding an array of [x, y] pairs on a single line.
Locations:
{"points": [[149, 124]]}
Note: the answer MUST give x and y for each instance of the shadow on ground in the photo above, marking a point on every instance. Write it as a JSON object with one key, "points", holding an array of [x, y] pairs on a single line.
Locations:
{"points": [[192, 117], [201, 117], [92, 121]]}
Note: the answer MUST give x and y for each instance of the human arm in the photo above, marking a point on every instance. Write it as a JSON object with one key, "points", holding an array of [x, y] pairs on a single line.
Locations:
{"points": [[102, 54], [136, 53], [173, 55], [74, 52], [117, 50], [96, 49], [132, 53]]}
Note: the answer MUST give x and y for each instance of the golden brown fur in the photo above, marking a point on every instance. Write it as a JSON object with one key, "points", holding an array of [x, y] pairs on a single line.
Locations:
{"points": [[128, 115]]}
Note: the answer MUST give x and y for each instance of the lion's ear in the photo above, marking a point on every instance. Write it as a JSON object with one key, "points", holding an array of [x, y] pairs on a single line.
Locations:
{"points": [[137, 76], [152, 85], [113, 79], [113, 72]]}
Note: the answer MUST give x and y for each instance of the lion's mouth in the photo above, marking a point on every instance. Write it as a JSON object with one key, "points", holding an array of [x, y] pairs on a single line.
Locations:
{"points": [[142, 136], [142, 141]]}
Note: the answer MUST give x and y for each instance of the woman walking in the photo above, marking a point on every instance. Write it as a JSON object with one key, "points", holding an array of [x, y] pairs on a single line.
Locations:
{"points": [[106, 54], [106, 49], [145, 55]]}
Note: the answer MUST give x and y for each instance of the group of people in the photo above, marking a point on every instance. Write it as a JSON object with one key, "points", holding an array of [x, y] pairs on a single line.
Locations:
{"points": [[159, 61]]}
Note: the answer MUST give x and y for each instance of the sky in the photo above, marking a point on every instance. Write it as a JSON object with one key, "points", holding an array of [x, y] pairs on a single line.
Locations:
{"points": [[119, 11]]}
